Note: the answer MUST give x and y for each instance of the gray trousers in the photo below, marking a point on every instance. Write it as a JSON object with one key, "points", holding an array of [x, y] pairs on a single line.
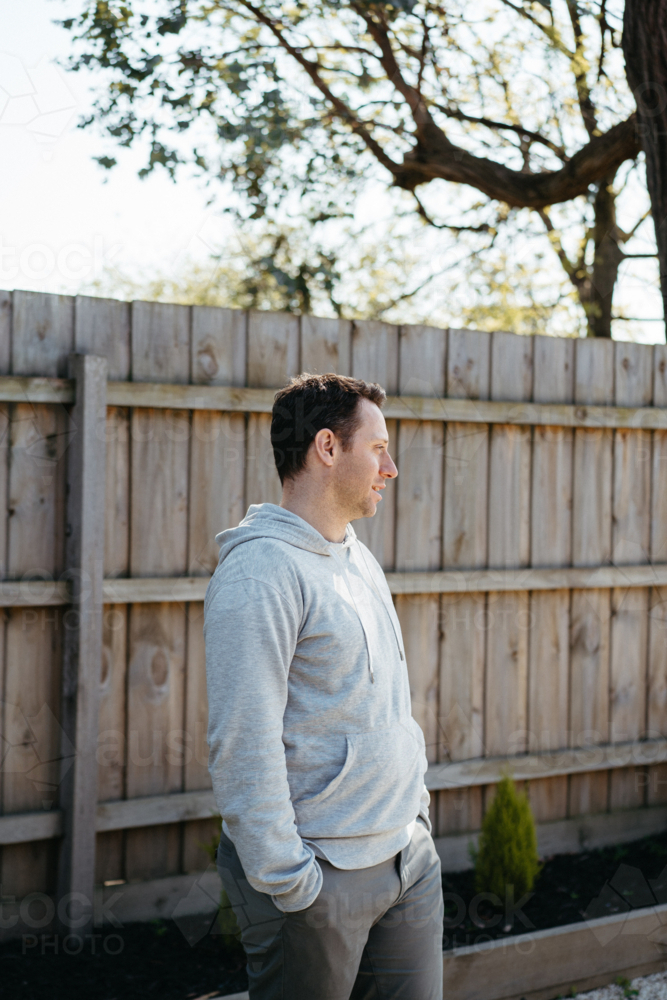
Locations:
{"points": [[371, 934]]}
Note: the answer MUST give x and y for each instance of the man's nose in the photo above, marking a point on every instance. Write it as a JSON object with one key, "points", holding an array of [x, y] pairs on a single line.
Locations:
{"points": [[389, 470]]}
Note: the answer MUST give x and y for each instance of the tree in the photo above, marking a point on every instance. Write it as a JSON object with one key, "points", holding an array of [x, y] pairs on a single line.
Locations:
{"points": [[514, 116], [645, 49]]}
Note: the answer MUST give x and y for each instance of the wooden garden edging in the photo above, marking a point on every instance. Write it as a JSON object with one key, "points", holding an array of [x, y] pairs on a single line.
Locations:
{"points": [[545, 964]]}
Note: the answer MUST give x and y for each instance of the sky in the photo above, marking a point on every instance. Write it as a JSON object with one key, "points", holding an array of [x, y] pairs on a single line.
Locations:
{"points": [[64, 221], [62, 217]]}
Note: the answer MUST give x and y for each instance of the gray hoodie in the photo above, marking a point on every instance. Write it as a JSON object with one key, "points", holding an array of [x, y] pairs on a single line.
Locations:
{"points": [[313, 748]]}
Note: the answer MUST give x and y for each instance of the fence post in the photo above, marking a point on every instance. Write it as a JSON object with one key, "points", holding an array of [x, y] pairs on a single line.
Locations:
{"points": [[82, 654]]}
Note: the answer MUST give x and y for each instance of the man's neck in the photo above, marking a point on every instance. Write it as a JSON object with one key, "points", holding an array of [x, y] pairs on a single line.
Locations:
{"points": [[330, 524]]}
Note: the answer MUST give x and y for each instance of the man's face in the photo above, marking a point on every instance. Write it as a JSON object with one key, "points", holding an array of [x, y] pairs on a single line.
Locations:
{"points": [[361, 471]]}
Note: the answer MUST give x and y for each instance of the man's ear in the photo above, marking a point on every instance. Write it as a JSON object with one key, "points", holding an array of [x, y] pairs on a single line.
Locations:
{"points": [[324, 444]]}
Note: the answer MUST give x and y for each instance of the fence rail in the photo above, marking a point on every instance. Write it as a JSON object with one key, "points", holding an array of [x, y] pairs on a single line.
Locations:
{"points": [[226, 399], [185, 589], [176, 807]]}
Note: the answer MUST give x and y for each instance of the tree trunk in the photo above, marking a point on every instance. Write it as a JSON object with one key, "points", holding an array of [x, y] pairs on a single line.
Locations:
{"points": [[596, 287], [645, 50]]}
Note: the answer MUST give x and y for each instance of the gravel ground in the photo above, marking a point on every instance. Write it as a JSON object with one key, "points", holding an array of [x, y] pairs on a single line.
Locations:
{"points": [[645, 988]]}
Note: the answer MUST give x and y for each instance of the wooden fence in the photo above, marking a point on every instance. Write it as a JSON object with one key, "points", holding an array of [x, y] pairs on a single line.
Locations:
{"points": [[525, 541]]}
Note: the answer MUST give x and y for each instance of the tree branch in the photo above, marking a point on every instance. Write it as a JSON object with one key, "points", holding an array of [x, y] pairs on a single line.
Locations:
{"points": [[555, 240], [518, 129], [422, 55], [579, 66], [624, 237], [577, 58], [552, 34], [434, 156], [312, 69], [604, 27], [380, 35], [483, 227]]}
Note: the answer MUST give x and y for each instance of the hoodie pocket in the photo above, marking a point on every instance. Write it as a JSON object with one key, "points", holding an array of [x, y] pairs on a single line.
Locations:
{"points": [[377, 790], [312, 800]]}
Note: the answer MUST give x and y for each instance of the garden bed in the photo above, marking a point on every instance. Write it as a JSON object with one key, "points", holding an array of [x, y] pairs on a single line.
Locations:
{"points": [[547, 951], [136, 962], [570, 888]]}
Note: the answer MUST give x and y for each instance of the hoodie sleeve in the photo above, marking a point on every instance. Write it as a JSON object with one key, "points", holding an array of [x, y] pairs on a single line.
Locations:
{"points": [[424, 803], [251, 631]]}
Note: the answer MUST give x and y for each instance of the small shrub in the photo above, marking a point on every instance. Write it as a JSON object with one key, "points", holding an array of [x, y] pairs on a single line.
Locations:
{"points": [[507, 852]]}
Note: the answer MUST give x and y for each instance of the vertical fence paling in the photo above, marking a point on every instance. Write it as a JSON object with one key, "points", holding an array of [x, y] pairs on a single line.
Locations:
{"points": [[273, 357], [657, 665], [468, 496], [160, 457], [217, 458], [103, 326], [420, 453], [550, 544], [42, 337], [5, 362], [509, 540], [633, 386], [462, 631], [374, 357], [590, 611], [82, 654]]}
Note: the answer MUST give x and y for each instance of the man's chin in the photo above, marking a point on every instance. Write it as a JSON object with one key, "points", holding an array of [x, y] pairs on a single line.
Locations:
{"points": [[368, 510]]}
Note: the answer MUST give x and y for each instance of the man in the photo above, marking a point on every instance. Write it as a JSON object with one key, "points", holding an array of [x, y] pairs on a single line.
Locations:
{"points": [[317, 765]]}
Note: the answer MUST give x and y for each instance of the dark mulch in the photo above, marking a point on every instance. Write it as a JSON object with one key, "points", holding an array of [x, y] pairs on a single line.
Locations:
{"points": [[135, 962], [569, 889], [186, 961]]}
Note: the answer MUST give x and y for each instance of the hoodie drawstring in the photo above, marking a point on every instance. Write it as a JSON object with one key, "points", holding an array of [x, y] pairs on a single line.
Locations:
{"points": [[384, 605], [381, 600], [361, 621]]}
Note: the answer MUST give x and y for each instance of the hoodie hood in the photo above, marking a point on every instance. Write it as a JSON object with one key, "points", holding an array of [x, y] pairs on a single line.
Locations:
{"points": [[267, 520]]}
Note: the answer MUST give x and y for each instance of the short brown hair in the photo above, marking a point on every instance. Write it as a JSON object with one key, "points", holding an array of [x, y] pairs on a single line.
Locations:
{"points": [[309, 403]]}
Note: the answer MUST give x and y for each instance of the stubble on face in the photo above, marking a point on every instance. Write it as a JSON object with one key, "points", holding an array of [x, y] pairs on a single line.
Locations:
{"points": [[358, 471], [351, 493]]}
